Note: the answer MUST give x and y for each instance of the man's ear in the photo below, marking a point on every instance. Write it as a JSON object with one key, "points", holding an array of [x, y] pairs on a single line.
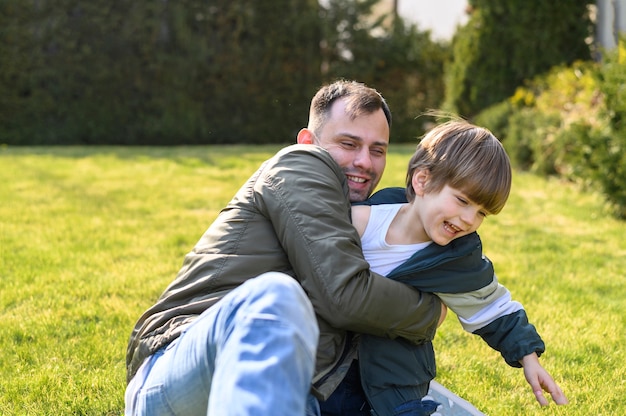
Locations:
{"points": [[305, 136], [420, 180]]}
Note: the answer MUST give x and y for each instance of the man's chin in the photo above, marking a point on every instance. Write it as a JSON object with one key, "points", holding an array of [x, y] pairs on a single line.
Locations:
{"points": [[359, 195]]}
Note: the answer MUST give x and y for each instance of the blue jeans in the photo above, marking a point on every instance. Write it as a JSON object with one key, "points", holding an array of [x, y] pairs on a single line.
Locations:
{"points": [[253, 353]]}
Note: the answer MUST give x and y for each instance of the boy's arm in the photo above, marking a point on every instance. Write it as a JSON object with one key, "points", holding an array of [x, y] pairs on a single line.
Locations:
{"points": [[509, 333], [360, 217], [501, 322], [540, 380]]}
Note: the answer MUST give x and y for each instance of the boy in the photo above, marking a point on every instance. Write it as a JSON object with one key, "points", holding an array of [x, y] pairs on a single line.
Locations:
{"points": [[458, 175]]}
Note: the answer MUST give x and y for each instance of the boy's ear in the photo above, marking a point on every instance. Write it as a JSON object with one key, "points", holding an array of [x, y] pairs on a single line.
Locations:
{"points": [[419, 181], [305, 136]]}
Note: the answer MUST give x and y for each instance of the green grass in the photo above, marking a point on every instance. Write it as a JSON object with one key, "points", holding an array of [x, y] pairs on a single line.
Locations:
{"points": [[89, 237]]}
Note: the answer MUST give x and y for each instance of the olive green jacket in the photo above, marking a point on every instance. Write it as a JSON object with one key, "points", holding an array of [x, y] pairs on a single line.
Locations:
{"points": [[291, 216]]}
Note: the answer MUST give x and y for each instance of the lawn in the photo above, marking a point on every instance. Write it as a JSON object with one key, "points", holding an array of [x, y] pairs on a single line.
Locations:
{"points": [[90, 236]]}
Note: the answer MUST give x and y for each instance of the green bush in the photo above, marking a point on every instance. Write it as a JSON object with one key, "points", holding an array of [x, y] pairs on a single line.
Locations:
{"points": [[395, 57], [496, 118], [189, 71], [198, 72], [539, 129], [570, 122], [530, 138], [507, 42], [608, 157]]}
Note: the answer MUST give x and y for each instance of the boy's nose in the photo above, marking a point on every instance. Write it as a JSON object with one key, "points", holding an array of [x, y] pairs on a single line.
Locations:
{"points": [[468, 216]]}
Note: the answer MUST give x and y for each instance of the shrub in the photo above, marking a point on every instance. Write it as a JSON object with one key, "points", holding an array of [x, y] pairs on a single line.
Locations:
{"points": [[507, 42], [608, 155], [397, 58], [539, 131], [570, 122], [496, 118]]}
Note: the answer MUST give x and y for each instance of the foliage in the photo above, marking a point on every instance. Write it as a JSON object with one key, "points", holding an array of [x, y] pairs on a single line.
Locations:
{"points": [[604, 155], [263, 70], [586, 139], [505, 43], [193, 72], [92, 235], [156, 72], [389, 54], [569, 122], [496, 118]]}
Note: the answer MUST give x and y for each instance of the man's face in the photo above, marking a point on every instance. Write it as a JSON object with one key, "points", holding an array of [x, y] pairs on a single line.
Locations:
{"points": [[359, 146]]}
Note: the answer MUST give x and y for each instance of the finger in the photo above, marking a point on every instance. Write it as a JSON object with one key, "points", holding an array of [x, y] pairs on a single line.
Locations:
{"points": [[559, 397], [541, 398]]}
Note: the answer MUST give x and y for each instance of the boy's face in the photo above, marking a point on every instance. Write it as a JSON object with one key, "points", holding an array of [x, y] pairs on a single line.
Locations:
{"points": [[447, 214]]}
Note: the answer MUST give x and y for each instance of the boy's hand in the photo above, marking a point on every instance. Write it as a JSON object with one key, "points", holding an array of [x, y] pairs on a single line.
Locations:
{"points": [[540, 381]]}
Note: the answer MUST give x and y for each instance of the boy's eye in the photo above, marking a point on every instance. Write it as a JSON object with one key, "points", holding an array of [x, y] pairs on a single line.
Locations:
{"points": [[466, 202]]}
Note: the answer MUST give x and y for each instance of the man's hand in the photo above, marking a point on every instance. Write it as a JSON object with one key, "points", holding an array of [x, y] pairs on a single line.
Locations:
{"points": [[540, 380]]}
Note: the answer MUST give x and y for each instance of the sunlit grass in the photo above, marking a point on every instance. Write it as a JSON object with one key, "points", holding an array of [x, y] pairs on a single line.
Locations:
{"points": [[89, 237]]}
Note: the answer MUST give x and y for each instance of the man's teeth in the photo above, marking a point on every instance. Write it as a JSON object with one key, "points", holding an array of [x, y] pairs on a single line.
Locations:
{"points": [[355, 179]]}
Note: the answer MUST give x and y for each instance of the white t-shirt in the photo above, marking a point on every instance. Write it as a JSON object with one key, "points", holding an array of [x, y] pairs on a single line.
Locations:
{"points": [[383, 257]]}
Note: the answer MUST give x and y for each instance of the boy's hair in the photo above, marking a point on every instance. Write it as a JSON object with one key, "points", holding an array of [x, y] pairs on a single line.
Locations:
{"points": [[360, 99], [465, 157]]}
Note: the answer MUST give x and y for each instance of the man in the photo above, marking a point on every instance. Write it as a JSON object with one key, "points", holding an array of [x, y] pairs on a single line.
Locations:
{"points": [[264, 306]]}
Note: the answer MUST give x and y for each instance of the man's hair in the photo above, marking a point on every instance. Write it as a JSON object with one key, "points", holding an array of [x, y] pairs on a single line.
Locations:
{"points": [[465, 157], [360, 99]]}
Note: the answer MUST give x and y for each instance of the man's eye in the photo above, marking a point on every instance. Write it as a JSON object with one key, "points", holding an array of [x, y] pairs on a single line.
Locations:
{"points": [[348, 144], [378, 152]]}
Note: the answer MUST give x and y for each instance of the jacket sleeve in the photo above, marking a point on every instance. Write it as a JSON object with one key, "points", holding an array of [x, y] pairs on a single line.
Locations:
{"points": [[304, 194], [513, 336], [500, 321], [478, 308]]}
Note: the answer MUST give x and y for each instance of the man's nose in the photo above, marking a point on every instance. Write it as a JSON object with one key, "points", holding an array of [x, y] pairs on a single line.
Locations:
{"points": [[363, 159]]}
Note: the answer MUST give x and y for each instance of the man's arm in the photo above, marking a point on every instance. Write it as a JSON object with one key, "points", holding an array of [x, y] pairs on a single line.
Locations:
{"points": [[305, 196]]}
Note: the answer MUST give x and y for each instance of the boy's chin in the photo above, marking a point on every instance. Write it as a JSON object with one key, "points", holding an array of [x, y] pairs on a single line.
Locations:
{"points": [[444, 241]]}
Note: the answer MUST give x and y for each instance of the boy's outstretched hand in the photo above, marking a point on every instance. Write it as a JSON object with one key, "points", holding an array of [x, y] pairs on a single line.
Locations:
{"points": [[540, 380]]}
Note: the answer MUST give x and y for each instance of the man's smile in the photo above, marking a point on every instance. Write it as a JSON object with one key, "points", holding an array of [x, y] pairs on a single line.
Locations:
{"points": [[356, 179]]}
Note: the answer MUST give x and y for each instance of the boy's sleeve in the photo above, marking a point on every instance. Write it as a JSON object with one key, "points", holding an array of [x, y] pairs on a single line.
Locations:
{"points": [[513, 336], [478, 308], [500, 321]]}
